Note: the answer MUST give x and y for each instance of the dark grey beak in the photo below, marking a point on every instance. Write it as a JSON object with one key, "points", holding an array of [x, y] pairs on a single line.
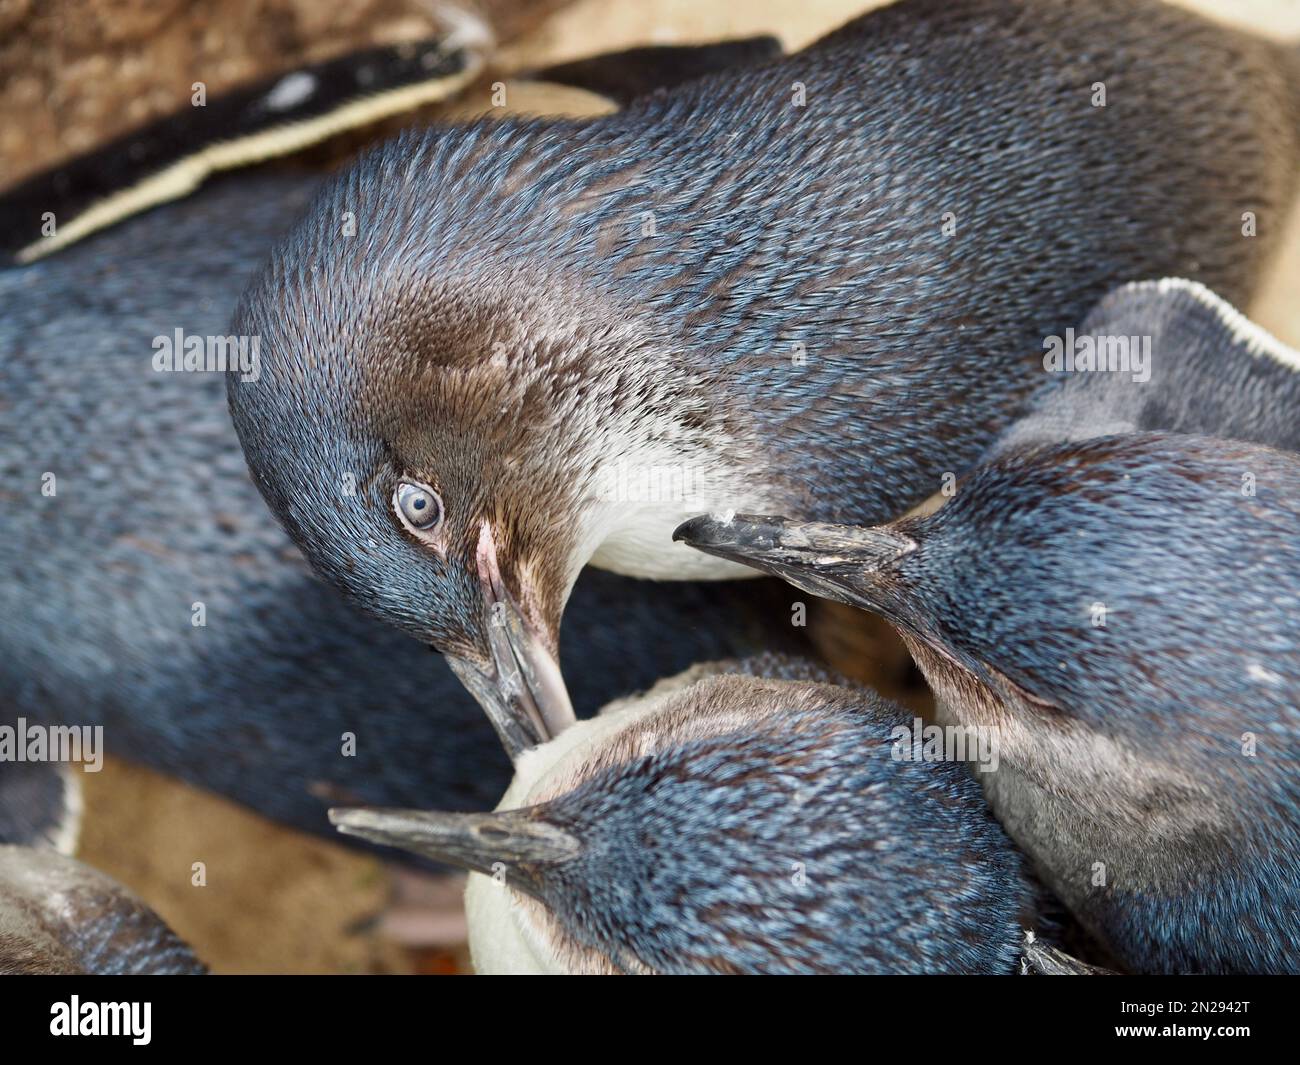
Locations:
{"points": [[831, 561], [519, 840], [520, 688]]}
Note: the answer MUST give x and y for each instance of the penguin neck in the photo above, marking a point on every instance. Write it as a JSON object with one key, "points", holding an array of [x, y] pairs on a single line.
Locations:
{"points": [[671, 458], [646, 493], [1067, 792]]}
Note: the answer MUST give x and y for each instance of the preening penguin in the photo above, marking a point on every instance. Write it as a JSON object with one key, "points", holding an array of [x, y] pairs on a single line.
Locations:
{"points": [[811, 287], [1123, 612], [60, 917], [744, 817], [285, 699]]}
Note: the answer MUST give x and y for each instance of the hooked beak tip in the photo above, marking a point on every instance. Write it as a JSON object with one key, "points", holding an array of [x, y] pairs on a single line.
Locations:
{"points": [[517, 680], [689, 530], [521, 691], [345, 819], [709, 531], [743, 538]]}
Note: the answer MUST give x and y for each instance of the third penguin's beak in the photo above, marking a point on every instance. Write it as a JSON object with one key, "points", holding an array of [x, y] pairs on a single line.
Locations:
{"points": [[521, 841], [520, 687], [831, 561]]}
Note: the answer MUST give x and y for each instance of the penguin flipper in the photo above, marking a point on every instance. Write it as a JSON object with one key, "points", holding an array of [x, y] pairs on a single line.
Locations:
{"points": [[40, 805], [1199, 366], [272, 117], [623, 76]]}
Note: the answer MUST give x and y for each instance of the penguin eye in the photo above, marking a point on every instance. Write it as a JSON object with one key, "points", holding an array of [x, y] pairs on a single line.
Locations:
{"points": [[419, 507]]}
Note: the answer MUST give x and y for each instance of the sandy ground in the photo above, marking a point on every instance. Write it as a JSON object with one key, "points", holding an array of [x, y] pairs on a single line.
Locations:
{"points": [[275, 901]]}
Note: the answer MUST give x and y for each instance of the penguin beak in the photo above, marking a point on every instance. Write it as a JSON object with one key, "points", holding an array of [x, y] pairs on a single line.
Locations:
{"points": [[835, 562], [520, 687], [519, 839]]}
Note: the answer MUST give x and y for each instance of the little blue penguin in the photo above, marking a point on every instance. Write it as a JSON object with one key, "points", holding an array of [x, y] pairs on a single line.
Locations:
{"points": [[742, 817], [126, 508], [60, 917], [495, 352], [1122, 614]]}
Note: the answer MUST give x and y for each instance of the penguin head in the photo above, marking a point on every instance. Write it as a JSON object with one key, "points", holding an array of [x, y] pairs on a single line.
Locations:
{"points": [[436, 411], [1121, 580], [744, 817], [409, 474], [1120, 614]]}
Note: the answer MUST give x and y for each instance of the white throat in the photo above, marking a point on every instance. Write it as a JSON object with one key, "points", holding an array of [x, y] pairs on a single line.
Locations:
{"points": [[639, 501]]}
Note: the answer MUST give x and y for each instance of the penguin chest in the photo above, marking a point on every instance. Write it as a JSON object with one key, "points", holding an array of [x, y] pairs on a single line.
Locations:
{"points": [[505, 936]]}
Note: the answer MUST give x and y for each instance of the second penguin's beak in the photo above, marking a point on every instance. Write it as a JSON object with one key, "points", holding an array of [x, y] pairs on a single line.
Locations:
{"points": [[521, 840], [832, 561], [520, 687]]}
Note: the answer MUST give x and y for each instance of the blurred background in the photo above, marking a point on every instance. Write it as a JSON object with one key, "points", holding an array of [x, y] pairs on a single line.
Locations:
{"points": [[75, 73]]}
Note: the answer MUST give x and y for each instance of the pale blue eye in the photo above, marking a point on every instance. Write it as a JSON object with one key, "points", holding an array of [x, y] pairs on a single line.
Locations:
{"points": [[417, 505]]}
